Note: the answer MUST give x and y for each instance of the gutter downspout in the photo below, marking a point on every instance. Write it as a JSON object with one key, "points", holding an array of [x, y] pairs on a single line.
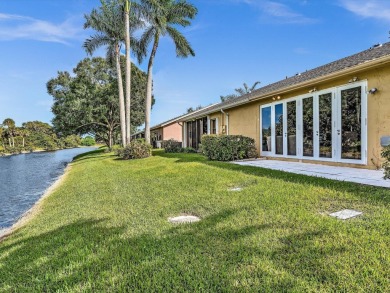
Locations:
{"points": [[226, 121]]}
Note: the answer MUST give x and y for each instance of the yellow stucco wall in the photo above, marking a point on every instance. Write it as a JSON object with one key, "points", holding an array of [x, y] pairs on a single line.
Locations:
{"points": [[245, 119]]}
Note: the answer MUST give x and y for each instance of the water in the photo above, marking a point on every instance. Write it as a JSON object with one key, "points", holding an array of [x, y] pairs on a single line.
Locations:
{"points": [[24, 178]]}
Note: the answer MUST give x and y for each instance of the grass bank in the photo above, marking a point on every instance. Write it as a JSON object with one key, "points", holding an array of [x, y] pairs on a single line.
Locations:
{"points": [[105, 229]]}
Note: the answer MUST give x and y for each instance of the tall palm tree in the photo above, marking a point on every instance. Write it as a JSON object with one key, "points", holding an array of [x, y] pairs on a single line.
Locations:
{"points": [[162, 17], [128, 69], [246, 89], [108, 22], [241, 91]]}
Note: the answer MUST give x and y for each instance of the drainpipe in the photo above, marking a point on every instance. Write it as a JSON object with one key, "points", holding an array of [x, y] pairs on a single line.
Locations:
{"points": [[226, 121]]}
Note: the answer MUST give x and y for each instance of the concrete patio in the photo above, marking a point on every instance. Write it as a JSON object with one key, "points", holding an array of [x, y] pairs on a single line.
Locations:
{"points": [[362, 176]]}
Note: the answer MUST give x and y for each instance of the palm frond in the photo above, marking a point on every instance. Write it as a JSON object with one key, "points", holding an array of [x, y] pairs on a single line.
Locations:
{"points": [[96, 41], [181, 13], [145, 41], [254, 85], [183, 47]]}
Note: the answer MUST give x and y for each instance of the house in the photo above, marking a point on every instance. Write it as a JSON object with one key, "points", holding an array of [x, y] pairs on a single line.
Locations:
{"points": [[335, 114], [171, 129]]}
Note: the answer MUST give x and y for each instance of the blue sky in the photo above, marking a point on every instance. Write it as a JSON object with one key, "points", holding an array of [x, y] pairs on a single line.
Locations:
{"points": [[235, 41]]}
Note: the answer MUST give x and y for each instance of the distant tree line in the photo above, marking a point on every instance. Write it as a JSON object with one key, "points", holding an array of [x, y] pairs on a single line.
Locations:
{"points": [[31, 136]]}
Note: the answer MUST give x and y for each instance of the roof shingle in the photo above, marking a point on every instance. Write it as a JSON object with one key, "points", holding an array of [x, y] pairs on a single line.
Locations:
{"points": [[371, 54]]}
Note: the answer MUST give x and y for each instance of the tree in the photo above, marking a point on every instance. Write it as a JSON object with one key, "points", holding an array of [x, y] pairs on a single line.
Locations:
{"points": [[162, 16], [241, 91], [108, 22], [192, 109], [10, 131], [128, 70], [86, 103]]}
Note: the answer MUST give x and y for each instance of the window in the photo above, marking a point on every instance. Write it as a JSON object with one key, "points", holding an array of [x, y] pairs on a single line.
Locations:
{"points": [[213, 126]]}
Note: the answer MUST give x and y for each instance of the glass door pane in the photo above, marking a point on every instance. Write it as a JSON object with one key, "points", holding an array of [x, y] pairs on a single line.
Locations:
{"points": [[308, 127], [325, 125], [279, 129], [351, 124], [292, 128], [266, 129]]}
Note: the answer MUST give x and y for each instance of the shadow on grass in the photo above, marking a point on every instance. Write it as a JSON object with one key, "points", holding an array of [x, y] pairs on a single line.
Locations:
{"points": [[209, 256], [380, 194], [89, 154]]}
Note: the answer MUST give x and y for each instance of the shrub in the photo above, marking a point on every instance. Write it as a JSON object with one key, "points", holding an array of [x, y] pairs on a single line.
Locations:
{"points": [[136, 149], [188, 150], [88, 141], [171, 146], [386, 164], [228, 147]]}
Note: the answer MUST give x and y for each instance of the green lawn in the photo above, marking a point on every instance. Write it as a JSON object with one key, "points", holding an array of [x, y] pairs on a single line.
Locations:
{"points": [[105, 230]]}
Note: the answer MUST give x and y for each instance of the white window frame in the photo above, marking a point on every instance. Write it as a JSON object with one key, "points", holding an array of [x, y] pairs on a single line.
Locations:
{"points": [[336, 125]]}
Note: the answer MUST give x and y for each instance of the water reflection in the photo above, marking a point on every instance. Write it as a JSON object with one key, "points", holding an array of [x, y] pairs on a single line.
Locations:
{"points": [[24, 178]]}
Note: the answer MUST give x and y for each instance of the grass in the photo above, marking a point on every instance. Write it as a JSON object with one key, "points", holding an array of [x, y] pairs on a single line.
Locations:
{"points": [[106, 230]]}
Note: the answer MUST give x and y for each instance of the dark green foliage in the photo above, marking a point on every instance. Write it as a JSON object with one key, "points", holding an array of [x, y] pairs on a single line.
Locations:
{"points": [[174, 146], [33, 135], [228, 147], [88, 141], [386, 164], [188, 150], [171, 146], [87, 102], [71, 141], [136, 149]]}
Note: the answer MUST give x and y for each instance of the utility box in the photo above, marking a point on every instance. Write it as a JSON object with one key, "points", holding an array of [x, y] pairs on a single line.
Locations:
{"points": [[385, 141]]}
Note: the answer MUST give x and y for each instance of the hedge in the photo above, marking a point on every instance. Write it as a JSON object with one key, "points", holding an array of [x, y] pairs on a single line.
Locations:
{"points": [[386, 164], [228, 147]]}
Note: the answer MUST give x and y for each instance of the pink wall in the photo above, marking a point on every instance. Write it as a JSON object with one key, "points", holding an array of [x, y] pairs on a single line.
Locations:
{"points": [[172, 131]]}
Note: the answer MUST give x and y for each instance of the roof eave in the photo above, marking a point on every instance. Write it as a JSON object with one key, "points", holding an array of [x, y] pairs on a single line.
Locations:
{"points": [[351, 70]]}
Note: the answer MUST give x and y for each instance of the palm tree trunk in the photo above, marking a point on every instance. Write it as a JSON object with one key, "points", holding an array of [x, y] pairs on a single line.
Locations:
{"points": [[128, 73], [148, 102], [121, 98]]}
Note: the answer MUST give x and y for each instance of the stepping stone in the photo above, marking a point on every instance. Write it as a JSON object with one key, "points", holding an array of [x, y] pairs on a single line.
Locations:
{"points": [[183, 219], [345, 214], [235, 189]]}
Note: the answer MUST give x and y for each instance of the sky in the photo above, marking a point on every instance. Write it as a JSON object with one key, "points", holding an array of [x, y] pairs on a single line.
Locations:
{"points": [[235, 41]]}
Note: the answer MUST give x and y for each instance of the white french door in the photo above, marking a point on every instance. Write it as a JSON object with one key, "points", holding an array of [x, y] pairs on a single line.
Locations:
{"points": [[330, 125]]}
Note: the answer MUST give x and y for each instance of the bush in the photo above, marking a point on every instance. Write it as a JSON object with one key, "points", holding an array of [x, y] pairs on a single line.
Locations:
{"points": [[171, 146], [228, 147], [136, 149], [88, 141], [386, 164], [188, 150]]}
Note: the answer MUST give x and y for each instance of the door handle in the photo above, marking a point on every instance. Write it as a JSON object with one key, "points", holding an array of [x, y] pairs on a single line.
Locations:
{"points": [[317, 132], [338, 131]]}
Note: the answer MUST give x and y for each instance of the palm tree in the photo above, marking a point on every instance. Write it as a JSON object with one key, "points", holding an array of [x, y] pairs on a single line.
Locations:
{"points": [[128, 70], [108, 22], [241, 91], [162, 17], [10, 131]]}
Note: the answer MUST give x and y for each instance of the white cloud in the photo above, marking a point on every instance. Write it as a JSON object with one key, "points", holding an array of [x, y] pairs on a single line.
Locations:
{"points": [[277, 12], [301, 51], [378, 9], [13, 27]]}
